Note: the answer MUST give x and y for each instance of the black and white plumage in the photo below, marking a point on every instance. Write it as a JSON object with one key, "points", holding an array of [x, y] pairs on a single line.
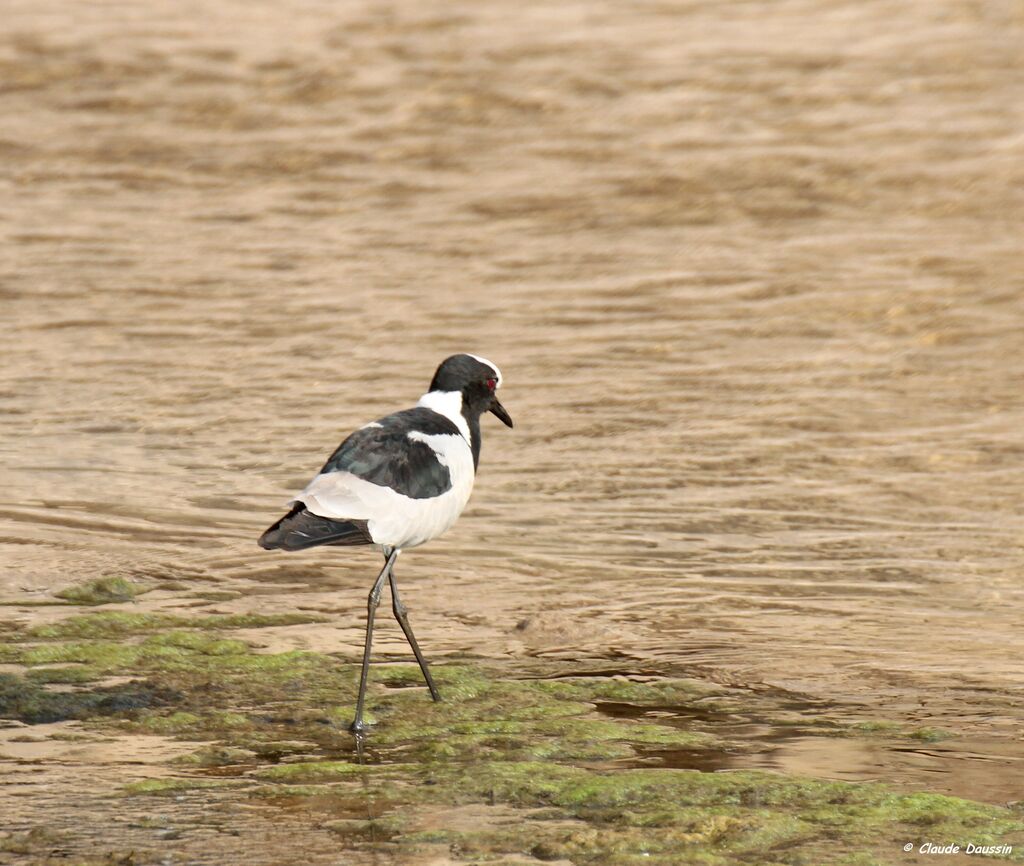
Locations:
{"points": [[398, 482]]}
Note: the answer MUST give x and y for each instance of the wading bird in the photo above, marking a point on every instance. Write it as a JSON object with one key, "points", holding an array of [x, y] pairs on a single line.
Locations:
{"points": [[397, 483]]}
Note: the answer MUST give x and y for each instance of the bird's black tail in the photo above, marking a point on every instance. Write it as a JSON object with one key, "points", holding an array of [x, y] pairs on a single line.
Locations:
{"points": [[300, 529]]}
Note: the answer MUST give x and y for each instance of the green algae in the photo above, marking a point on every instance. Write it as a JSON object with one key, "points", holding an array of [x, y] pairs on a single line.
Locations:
{"points": [[401, 675], [556, 739], [28, 701], [103, 625], [171, 653], [930, 735], [877, 727], [273, 750], [71, 737], [106, 625], [314, 771], [99, 656], [483, 718], [658, 814], [926, 734], [102, 590], [296, 792], [672, 693], [377, 829], [215, 756], [645, 734], [537, 747], [66, 675], [165, 787], [181, 722]]}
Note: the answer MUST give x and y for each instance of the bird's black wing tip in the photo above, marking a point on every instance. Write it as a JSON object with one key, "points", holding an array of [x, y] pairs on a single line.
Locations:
{"points": [[273, 537], [300, 529]]}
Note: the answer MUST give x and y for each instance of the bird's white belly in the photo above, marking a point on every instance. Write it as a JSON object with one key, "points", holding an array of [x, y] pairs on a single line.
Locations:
{"points": [[395, 520]]}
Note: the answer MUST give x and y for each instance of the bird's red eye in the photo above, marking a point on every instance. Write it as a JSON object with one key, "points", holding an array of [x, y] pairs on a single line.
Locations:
{"points": [[491, 383]]}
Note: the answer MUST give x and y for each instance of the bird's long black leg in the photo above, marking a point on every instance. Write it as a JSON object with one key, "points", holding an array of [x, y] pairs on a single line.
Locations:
{"points": [[402, 615], [357, 726]]}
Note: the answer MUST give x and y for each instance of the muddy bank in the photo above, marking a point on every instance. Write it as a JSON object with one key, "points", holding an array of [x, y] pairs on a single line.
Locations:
{"points": [[200, 741], [752, 274]]}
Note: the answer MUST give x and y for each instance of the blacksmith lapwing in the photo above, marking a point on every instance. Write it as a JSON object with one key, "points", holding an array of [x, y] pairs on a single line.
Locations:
{"points": [[397, 483]]}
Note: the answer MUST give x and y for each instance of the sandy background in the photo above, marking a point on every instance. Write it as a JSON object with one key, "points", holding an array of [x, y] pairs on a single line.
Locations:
{"points": [[752, 271]]}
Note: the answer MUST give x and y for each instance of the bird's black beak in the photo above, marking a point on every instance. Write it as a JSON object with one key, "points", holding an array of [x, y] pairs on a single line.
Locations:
{"points": [[499, 410]]}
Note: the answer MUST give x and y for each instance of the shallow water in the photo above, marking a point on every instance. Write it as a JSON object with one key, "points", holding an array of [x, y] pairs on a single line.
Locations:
{"points": [[752, 273]]}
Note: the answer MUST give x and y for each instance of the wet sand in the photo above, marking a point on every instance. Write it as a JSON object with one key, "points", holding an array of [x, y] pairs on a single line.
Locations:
{"points": [[752, 273]]}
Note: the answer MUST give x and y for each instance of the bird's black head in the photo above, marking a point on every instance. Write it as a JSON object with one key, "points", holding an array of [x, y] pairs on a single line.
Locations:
{"points": [[477, 379]]}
